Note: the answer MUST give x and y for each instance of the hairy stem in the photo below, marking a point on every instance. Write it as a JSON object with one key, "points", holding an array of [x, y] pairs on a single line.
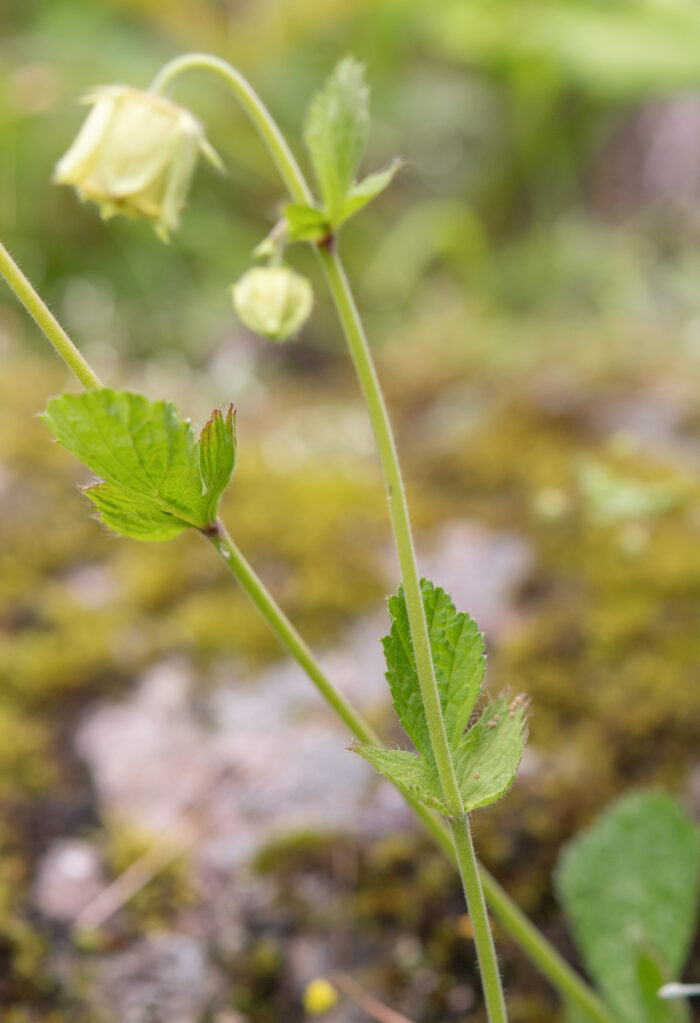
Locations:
{"points": [[287, 634], [40, 312], [483, 937], [254, 107], [398, 510]]}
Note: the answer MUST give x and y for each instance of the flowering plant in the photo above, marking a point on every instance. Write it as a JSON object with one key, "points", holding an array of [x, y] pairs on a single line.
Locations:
{"points": [[136, 154]]}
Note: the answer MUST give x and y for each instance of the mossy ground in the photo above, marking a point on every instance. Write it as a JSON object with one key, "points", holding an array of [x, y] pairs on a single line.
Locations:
{"points": [[606, 645]]}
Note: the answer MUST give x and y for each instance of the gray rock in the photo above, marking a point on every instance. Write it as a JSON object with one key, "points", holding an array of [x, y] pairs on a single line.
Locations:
{"points": [[162, 979], [69, 876]]}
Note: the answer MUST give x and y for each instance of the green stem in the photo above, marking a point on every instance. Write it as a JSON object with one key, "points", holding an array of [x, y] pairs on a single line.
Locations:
{"points": [[287, 634], [40, 312], [254, 107], [398, 510], [549, 960], [483, 937]]}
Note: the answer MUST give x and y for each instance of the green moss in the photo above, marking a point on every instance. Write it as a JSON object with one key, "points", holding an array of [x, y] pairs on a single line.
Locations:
{"points": [[167, 887], [607, 646]]}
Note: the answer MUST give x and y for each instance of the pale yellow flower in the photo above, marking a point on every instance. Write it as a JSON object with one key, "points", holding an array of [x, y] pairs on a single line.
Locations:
{"points": [[273, 301], [135, 154]]}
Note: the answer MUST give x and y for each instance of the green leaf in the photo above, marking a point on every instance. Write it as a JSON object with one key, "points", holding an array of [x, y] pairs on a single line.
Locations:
{"points": [[486, 758], [489, 755], [573, 1013], [148, 459], [368, 189], [652, 973], [217, 455], [335, 133], [306, 223], [131, 515], [408, 772], [627, 885], [457, 648]]}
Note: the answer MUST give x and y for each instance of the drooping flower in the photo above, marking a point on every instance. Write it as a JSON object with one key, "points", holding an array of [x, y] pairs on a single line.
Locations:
{"points": [[135, 154], [273, 301]]}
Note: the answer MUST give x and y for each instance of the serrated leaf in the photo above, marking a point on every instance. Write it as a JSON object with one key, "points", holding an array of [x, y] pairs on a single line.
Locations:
{"points": [[489, 755], [306, 223], [368, 189], [335, 133], [131, 515], [408, 772], [148, 458], [217, 456], [631, 883], [457, 648]]}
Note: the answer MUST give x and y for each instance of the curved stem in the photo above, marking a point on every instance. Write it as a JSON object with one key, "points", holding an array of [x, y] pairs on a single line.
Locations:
{"points": [[42, 315], [288, 635], [254, 108]]}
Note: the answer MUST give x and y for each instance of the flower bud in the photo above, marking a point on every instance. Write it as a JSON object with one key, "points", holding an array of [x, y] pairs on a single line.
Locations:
{"points": [[135, 154], [273, 301]]}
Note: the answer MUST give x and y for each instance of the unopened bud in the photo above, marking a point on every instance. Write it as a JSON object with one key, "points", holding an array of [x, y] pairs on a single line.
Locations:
{"points": [[273, 301], [135, 154]]}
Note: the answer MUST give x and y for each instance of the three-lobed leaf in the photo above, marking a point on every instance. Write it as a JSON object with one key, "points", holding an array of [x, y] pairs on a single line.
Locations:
{"points": [[156, 480], [335, 132], [629, 887], [487, 756]]}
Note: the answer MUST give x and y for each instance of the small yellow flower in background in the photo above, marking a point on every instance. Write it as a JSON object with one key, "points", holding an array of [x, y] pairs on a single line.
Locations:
{"points": [[273, 301], [320, 996], [135, 154]]}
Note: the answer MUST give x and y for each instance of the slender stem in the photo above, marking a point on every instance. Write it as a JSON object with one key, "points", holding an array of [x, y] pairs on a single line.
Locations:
{"points": [[398, 510], [287, 634], [40, 312], [534, 943], [542, 953], [483, 937], [254, 107]]}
